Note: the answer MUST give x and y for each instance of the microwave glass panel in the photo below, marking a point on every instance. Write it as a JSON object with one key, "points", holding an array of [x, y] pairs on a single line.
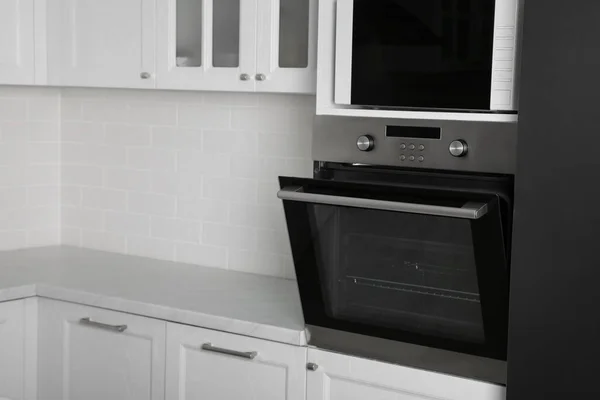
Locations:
{"points": [[423, 53]]}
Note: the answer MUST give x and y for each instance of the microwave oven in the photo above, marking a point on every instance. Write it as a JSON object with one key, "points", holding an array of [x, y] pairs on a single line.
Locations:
{"points": [[435, 55]]}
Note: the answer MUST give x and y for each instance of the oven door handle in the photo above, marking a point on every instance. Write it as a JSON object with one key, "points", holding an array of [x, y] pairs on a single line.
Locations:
{"points": [[470, 210]]}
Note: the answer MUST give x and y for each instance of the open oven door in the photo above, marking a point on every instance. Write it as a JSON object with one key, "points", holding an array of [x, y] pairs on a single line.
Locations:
{"points": [[424, 265]]}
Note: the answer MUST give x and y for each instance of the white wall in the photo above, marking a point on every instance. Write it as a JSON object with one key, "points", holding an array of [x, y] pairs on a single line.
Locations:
{"points": [[29, 167], [183, 176]]}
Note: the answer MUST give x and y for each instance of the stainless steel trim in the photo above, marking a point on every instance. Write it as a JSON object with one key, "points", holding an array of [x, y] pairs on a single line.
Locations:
{"points": [[94, 324], [470, 210], [251, 355], [408, 354]]}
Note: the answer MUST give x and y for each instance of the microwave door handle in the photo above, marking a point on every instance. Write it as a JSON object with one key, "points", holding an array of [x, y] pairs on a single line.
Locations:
{"points": [[470, 210]]}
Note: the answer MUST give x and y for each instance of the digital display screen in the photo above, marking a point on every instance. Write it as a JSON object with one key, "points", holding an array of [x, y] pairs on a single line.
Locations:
{"points": [[414, 132]]}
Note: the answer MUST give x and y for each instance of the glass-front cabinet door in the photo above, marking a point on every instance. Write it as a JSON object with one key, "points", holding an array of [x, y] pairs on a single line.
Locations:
{"points": [[207, 44], [287, 46]]}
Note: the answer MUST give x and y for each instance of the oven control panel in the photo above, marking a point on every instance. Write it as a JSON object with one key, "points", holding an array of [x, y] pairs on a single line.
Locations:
{"points": [[450, 145]]}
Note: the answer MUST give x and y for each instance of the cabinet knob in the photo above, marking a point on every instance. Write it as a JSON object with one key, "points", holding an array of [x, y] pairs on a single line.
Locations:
{"points": [[312, 367], [261, 77], [145, 75], [244, 77]]}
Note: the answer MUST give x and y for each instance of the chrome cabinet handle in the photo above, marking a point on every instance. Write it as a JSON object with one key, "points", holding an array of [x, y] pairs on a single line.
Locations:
{"points": [[251, 355], [115, 328], [312, 367], [145, 75], [470, 210], [244, 77], [261, 77]]}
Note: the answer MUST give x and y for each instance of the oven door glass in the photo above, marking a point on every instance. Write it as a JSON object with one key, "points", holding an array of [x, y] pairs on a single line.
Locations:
{"points": [[426, 267], [423, 53]]}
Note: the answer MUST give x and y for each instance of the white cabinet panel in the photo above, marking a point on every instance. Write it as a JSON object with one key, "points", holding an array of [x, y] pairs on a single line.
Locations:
{"points": [[207, 45], [108, 43], [18, 363], [274, 372], [117, 356], [341, 377], [287, 46], [17, 40]]}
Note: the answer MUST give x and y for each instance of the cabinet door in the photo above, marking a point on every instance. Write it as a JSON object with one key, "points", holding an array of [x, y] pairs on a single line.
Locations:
{"points": [[207, 45], [341, 377], [287, 46], [94, 354], [204, 364], [108, 43], [17, 42], [18, 350]]}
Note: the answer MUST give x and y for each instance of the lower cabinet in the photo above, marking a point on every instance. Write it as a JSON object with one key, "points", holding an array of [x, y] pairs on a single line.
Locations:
{"points": [[341, 377], [95, 354], [211, 365], [18, 350]]}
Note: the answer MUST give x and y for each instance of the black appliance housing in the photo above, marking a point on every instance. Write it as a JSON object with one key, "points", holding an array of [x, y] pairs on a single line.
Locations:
{"points": [[554, 333]]}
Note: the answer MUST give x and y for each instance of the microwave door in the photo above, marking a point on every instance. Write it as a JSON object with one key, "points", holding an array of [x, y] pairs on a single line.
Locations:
{"points": [[420, 266]]}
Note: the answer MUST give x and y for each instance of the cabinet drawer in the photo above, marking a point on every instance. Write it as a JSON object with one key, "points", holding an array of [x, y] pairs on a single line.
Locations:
{"points": [[205, 364], [95, 354]]}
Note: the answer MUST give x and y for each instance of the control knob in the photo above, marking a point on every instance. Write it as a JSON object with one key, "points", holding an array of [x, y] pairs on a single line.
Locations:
{"points": [[365, 143], [458, 148]]}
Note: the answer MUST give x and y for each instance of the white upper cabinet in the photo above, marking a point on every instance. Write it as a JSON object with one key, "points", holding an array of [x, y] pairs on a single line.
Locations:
{"points": [[237, 45], [341, 377], [95, 354], [17, 42], [206, 45], [211, 365], [105, 43], [287, 46]]}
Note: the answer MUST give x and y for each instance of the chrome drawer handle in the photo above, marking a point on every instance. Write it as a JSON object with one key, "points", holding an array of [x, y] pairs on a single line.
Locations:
{"points": [[115, 328], [243, 354]]}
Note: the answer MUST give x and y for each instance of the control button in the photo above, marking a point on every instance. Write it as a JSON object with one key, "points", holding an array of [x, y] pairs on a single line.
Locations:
{"points": [[421, 147], [365, 143], [411, 158], [403, 146], [411, 147], [421, 158], [458, 148], [402, 157]]}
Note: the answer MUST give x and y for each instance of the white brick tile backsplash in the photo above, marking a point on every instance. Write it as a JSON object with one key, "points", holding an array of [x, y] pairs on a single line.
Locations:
{"points": [[206, 210], [200, 174], [29, 167], [153, 113], [127, 135], [127, 224], [104, 199], [180, 230], [184, 176], [152, 204], [236, 237], [204, 116], [83, 218], [104, 241], [82, 132], [126, 179], [177, 138]]}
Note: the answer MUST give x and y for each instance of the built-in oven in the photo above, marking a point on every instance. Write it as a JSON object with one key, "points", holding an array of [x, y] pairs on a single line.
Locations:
{"points": [[401, 242], [457, 55]]}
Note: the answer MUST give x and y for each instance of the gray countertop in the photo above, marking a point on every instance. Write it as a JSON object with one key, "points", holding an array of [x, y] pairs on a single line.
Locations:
{"points": [[252, 305]]}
